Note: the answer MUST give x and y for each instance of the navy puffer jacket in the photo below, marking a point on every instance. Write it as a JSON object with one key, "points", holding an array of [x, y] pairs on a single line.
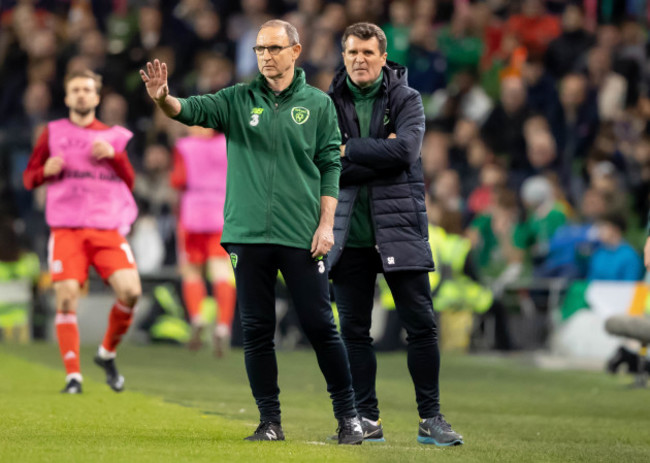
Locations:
{"points": [[391, 168]]}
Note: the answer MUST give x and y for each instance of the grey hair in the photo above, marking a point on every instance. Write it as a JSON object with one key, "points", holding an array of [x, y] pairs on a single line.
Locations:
{"points": [[289, 28]]}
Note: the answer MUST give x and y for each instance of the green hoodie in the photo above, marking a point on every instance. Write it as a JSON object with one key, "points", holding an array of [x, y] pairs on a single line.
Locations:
{"points": [[283, 155]]}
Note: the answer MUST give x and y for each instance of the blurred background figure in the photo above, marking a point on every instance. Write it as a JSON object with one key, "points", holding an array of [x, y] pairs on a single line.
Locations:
{"points": [[200, 175]]}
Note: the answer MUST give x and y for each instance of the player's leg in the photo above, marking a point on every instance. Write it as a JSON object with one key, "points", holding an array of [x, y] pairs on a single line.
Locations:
{"points": [[354, 278], [256, 274], [223, 290], [113, 259], [68, 266], [308, 285], [412, 294], [192, 257], [193, 295], [67, 332]]}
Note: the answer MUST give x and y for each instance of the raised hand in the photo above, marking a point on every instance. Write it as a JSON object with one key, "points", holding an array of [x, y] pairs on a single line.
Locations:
{"points": [[155, 79]]}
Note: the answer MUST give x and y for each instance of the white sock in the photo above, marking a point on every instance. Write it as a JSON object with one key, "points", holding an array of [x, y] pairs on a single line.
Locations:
{"points": [[76, 376], [105, 354]]}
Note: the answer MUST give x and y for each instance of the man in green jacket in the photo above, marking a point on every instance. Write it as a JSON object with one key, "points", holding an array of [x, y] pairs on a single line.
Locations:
{"points": [[281, 193]]}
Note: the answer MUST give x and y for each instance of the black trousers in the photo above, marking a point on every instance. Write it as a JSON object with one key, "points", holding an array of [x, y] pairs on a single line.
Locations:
{"points": [[256, 269], [354, 279]]}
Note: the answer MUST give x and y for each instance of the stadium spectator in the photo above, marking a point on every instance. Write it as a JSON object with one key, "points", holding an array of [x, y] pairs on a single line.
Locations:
{"points": [[89, 203], [460, 43], [492, 235], [427, 66], [382, 122], [566, 51], [541, 94], [573, 243], [609, 86], [462, 98], [576, 125], [492, 177], [534, 28], [614, 259], [435, 154], [298, 203], [543, 217], [503, 129], [398, 31]]}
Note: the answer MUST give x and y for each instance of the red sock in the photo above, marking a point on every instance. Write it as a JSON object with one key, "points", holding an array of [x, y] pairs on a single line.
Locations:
{"points": [[67, 333], [226, 297], [119, 321], [193, 295]]}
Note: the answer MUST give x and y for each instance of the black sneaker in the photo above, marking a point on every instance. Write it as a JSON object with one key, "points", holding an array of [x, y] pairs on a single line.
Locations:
{"points": [[438, 432], [350, 431], [372, 432], [623, 356], [113, 378], [267, 430], [72, 387]]}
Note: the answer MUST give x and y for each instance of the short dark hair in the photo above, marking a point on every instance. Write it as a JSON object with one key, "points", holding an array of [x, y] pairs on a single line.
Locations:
{"points": [[289, 28], [615, 218], [365, 31], [86, 74]]}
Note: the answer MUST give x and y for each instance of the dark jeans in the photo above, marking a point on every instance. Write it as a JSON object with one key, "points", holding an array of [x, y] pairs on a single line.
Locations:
{"points": [[354, 279], [256, 271]]}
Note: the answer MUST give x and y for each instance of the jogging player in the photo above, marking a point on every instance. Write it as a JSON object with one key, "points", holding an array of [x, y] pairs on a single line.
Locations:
{"points": [[89, 206]]}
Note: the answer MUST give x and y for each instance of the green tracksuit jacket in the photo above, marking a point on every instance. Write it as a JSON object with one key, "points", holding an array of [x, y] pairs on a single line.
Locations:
{"points": [[283, 155]]}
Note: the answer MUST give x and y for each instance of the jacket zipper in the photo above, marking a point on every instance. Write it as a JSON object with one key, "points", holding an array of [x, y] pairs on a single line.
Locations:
{"points": [[271, 173]]}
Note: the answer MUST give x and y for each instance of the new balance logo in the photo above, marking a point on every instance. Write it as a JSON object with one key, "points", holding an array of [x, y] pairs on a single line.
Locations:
{"points": [[271, 434], [56, 266]]}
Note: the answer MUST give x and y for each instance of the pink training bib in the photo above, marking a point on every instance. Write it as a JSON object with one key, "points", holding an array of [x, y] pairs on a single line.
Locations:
{"points": [[88, 194], [206, 165]]}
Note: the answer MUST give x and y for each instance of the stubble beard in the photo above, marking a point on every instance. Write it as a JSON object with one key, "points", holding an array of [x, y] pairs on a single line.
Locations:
{"points": [[83, 112]]}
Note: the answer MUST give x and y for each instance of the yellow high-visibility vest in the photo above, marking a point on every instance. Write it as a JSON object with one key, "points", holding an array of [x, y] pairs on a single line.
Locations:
{"points": [[452, 289]]}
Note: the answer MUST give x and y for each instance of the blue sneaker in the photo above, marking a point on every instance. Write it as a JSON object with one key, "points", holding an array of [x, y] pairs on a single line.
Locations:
{"points": [[438, 432]]}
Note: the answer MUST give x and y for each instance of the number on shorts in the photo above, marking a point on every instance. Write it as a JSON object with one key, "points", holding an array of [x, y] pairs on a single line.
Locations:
{"points": [[127, 250]]}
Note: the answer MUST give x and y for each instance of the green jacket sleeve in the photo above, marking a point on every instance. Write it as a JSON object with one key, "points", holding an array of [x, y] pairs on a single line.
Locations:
{"points": [[210, 110], [328, 151]]}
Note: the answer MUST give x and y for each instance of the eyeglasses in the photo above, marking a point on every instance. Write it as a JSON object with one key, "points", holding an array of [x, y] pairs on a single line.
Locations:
{"points": [[273, 49]]}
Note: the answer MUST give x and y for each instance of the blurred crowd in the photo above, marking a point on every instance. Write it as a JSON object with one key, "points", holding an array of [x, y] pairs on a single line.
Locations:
{"points": [[536, 110]]}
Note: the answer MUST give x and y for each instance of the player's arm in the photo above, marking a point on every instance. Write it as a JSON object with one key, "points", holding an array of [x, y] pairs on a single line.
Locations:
{"points": [[41, 167], [178, 176], [123, 168]]}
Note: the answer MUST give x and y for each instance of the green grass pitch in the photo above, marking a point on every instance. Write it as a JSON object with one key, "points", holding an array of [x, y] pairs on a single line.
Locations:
{"points": [[184, 407]]}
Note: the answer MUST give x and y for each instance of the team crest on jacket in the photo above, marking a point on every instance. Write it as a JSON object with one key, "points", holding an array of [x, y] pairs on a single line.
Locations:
{"points": [[299, 114]]}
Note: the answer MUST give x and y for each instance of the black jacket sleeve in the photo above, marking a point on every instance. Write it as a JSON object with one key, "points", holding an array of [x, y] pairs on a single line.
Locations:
{"points": [[396, 152], [356, 174]]}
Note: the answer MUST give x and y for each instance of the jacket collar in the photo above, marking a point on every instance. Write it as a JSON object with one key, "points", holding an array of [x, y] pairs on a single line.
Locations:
{"points": [[298, 82], [394, 74]]}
